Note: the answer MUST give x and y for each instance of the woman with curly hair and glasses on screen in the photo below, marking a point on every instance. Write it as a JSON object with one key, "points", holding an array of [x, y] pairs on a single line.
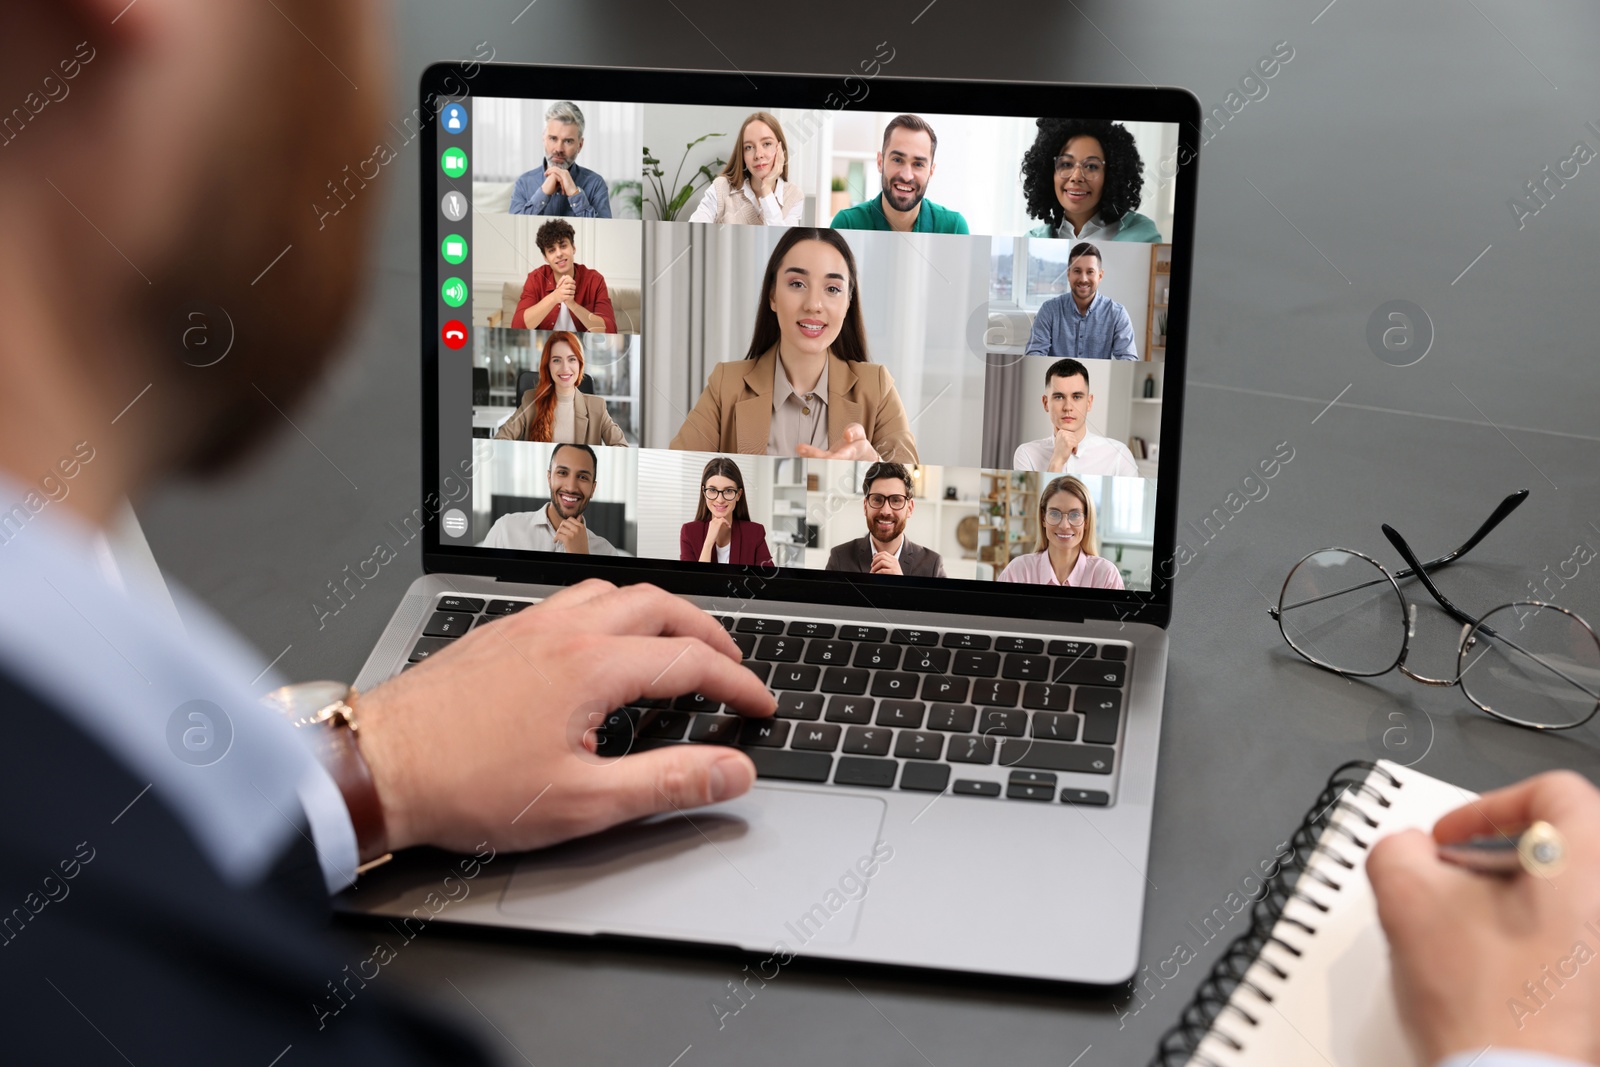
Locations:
{"points": [[1068, 553], [1083, 178]]}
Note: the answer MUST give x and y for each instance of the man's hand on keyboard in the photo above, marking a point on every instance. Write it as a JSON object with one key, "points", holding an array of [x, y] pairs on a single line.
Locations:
{"points": [[1508, 961], [493, 737]]}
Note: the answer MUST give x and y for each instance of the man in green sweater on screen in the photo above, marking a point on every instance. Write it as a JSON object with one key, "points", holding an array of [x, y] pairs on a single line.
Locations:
{"points": [[905, 167]]}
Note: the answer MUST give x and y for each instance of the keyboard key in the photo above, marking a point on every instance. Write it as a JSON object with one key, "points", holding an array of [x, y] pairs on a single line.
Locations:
{"points": [[447, 624], [614, 737], [666, 726], [976, 642], [1072, 649], [1089, 672], [715, 729], [795, 676], [1050, 756], [724, 621], [945, 688], [484, 620], [915, 744], [853, 770], [821, 736], [925, 777], [1100, 727], [470, 605], [1028, 668], [957, 718], [811, 629], [850, 709], [829, 653], [801, 706], [968, 788], [1084, 699], [1114, 651], [884, 657], [780, 649], [507, 607], [697, 702], [760, 668], [427, 646], [768, 733], [792, 766], [1029, 645], [995, 693], [894, 684], [1041, 696], [863, 633], [1088, 797], [1030, 792], [977, 664], [1049, 725], [759, 626], [1002, 722], [914, 637], [747, 644], [903, 713], [971, 748], [867, 740], [844, 680], [926, 660], [1033, 778]]}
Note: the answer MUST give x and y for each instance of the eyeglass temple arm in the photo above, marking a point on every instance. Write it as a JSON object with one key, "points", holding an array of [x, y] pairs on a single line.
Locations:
{"points": [[1421, 572], [1506, 507]]}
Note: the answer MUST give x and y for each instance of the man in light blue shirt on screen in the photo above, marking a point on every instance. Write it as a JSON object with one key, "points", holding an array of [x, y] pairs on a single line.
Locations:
{"points": [[1082, 323], [558, 186]]}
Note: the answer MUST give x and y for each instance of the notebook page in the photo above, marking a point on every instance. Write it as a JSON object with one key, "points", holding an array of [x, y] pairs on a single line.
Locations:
{"points": [[1336, 1004]]}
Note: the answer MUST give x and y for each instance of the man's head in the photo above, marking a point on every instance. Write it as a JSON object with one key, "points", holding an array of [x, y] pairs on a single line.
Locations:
{"points": [[905, 162], [185, 189], [1084, 271], [556, 240], [886, 500], [1067, 399], [571, 476], [563, 133]]}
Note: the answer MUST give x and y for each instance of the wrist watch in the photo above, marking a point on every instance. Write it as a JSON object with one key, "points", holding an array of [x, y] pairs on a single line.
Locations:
{"points": [[329, 708]]}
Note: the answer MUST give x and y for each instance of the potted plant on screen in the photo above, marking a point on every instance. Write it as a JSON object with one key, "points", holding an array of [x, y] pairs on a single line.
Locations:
{"points": [[669, 207]]}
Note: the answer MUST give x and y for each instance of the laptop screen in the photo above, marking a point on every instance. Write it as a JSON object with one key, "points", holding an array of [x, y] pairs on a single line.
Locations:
{"points": [[830, 338]]}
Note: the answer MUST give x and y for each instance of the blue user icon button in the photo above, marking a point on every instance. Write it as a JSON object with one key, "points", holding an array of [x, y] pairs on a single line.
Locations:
{"points": [[453, 119]]}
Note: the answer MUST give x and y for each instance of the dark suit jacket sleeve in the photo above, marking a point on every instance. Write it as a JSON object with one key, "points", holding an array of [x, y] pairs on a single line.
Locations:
{"points": [[130, 926], [843, 558], [533, 291], [597, 298]]}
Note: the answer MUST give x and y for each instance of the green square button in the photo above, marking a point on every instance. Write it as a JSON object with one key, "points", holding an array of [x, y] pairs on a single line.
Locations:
{"points": [[454, 162]]}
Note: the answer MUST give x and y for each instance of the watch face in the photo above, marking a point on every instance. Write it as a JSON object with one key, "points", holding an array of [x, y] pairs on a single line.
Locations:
{"points": [[303, 702]]}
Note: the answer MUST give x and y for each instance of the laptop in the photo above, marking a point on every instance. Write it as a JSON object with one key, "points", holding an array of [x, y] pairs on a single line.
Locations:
{"points": [[969, 711]]}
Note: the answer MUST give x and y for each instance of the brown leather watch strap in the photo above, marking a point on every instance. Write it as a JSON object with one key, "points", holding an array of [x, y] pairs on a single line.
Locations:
{"points": [[329, 709], [341, 755]]}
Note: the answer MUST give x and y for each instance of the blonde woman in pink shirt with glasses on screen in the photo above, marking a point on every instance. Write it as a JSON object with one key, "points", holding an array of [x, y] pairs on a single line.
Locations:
{"points": [[1068, 553]]}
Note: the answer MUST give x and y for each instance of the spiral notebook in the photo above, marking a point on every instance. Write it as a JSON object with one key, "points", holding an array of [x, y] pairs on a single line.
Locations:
{"points": [[1309, 981]]}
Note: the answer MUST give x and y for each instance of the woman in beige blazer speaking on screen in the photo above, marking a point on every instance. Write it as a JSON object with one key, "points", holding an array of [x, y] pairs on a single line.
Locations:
{"points": [[806, 386]]}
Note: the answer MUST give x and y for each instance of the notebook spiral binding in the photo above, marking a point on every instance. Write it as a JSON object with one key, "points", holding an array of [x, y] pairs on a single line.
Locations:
{"points": [[1178, 1045]]}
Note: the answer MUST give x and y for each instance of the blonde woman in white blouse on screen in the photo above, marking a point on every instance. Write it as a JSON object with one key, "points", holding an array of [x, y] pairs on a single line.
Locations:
{"points": [[754, 187]]}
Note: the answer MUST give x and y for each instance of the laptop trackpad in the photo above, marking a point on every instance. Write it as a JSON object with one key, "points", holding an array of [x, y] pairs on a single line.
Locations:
{"points": [[774, 865]]}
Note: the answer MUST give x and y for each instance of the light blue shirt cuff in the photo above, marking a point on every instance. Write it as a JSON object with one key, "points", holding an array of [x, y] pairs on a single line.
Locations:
{"points": [[1507, 1057], [331, 829]]}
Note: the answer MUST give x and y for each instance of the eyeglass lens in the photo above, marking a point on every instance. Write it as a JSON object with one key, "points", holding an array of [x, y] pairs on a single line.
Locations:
{"points": [[1532, 664], [1341, 611], [878, 500]]}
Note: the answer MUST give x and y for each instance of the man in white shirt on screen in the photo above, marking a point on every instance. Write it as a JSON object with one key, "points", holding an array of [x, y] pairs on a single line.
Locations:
{"points": [[559, 525], [1071, 448]]}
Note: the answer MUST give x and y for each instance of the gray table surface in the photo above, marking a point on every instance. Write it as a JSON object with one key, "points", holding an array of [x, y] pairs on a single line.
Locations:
{"points": [[1379, 166]]}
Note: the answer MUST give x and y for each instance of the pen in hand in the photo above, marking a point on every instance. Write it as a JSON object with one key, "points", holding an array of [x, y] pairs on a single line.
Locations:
{"points": [[1539, 850]]}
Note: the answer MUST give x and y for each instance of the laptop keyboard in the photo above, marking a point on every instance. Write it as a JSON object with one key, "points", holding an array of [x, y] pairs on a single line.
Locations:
{"points": [[974, 713]]}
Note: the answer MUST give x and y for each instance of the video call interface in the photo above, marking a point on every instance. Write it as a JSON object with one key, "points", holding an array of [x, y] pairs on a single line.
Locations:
{"points": [[892, 344]]}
